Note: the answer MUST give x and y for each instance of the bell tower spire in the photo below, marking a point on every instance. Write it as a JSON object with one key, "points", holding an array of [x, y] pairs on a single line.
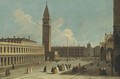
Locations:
{"points": [[46, 12], [46, 39]]}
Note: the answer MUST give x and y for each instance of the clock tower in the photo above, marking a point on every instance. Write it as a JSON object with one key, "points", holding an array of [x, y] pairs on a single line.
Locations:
{"points": [[46, 39]]}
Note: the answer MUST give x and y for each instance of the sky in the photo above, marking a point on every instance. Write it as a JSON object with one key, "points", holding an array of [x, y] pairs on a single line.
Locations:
{"points": [[81, 21]]}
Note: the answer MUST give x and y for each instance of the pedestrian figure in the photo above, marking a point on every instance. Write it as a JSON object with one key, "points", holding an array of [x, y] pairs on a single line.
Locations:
{"points": [[99, 71], [55, 70], [7, 72], [69, 66], [73, 69], [97, 64], [45, 69], [104, 71], [109, 64], [13, 66], [79, 65], [52, 69], [28, 70], [91, 64]]}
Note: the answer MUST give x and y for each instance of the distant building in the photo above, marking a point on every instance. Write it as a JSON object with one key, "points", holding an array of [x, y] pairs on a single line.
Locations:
{"points": [[89, 50], [102, 51], [19, 51], [70, 51], [97, 51], [109, 44]]}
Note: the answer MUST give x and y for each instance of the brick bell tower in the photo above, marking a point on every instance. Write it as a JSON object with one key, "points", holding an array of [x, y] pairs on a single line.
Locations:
{"points": [[46, 39], [116, 35]]}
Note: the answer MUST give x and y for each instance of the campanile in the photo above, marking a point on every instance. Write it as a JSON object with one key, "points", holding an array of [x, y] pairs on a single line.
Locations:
{"points": [[46, 39]]}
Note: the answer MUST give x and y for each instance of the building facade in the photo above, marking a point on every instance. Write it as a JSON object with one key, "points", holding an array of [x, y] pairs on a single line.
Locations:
{"points": [[116, 35], [109, 44], [19, 51], [46, 39], [70, 51], [102, 51], [90, 50], [97, 51]]}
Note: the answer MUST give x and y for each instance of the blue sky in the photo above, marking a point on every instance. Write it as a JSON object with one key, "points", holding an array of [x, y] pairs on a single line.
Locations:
{"points": [[82, 21]]}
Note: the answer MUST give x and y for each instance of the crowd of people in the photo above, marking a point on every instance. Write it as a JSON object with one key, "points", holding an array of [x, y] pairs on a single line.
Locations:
{"points": [[102, 71], [64, 67], [29, 70], [58, 68], [78, 68]]}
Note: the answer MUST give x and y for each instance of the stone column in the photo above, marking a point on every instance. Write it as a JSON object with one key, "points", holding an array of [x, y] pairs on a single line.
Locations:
{"points": [[2, 49], [9, 49], [14, 60], [6, 49], [10, 60], [0, 61], [6, 61], [3, 62], [17, 62], [22, 59]]}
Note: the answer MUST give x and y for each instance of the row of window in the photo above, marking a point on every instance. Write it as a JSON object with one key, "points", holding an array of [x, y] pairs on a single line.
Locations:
{"points": [[19, 60], [18, 50]]}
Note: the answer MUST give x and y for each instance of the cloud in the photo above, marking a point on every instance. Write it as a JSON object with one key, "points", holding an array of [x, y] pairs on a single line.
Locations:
{"points": [[22, 18], [34, 29], [60, 37], [27, 26]]}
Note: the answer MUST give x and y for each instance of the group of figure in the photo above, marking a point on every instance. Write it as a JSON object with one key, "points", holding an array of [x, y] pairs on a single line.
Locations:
{"points": [[60, 67], [102, 71], [29, 70], [78, 68], [45, 69], [7, 72]]}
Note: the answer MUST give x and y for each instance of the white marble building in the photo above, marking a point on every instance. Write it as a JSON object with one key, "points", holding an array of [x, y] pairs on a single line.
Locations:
{"points": [[19, 51]]}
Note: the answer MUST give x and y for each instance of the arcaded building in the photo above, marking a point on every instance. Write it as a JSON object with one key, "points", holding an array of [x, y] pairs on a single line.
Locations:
{"points": [[19, 51], [70, 51], [97, 51]]}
